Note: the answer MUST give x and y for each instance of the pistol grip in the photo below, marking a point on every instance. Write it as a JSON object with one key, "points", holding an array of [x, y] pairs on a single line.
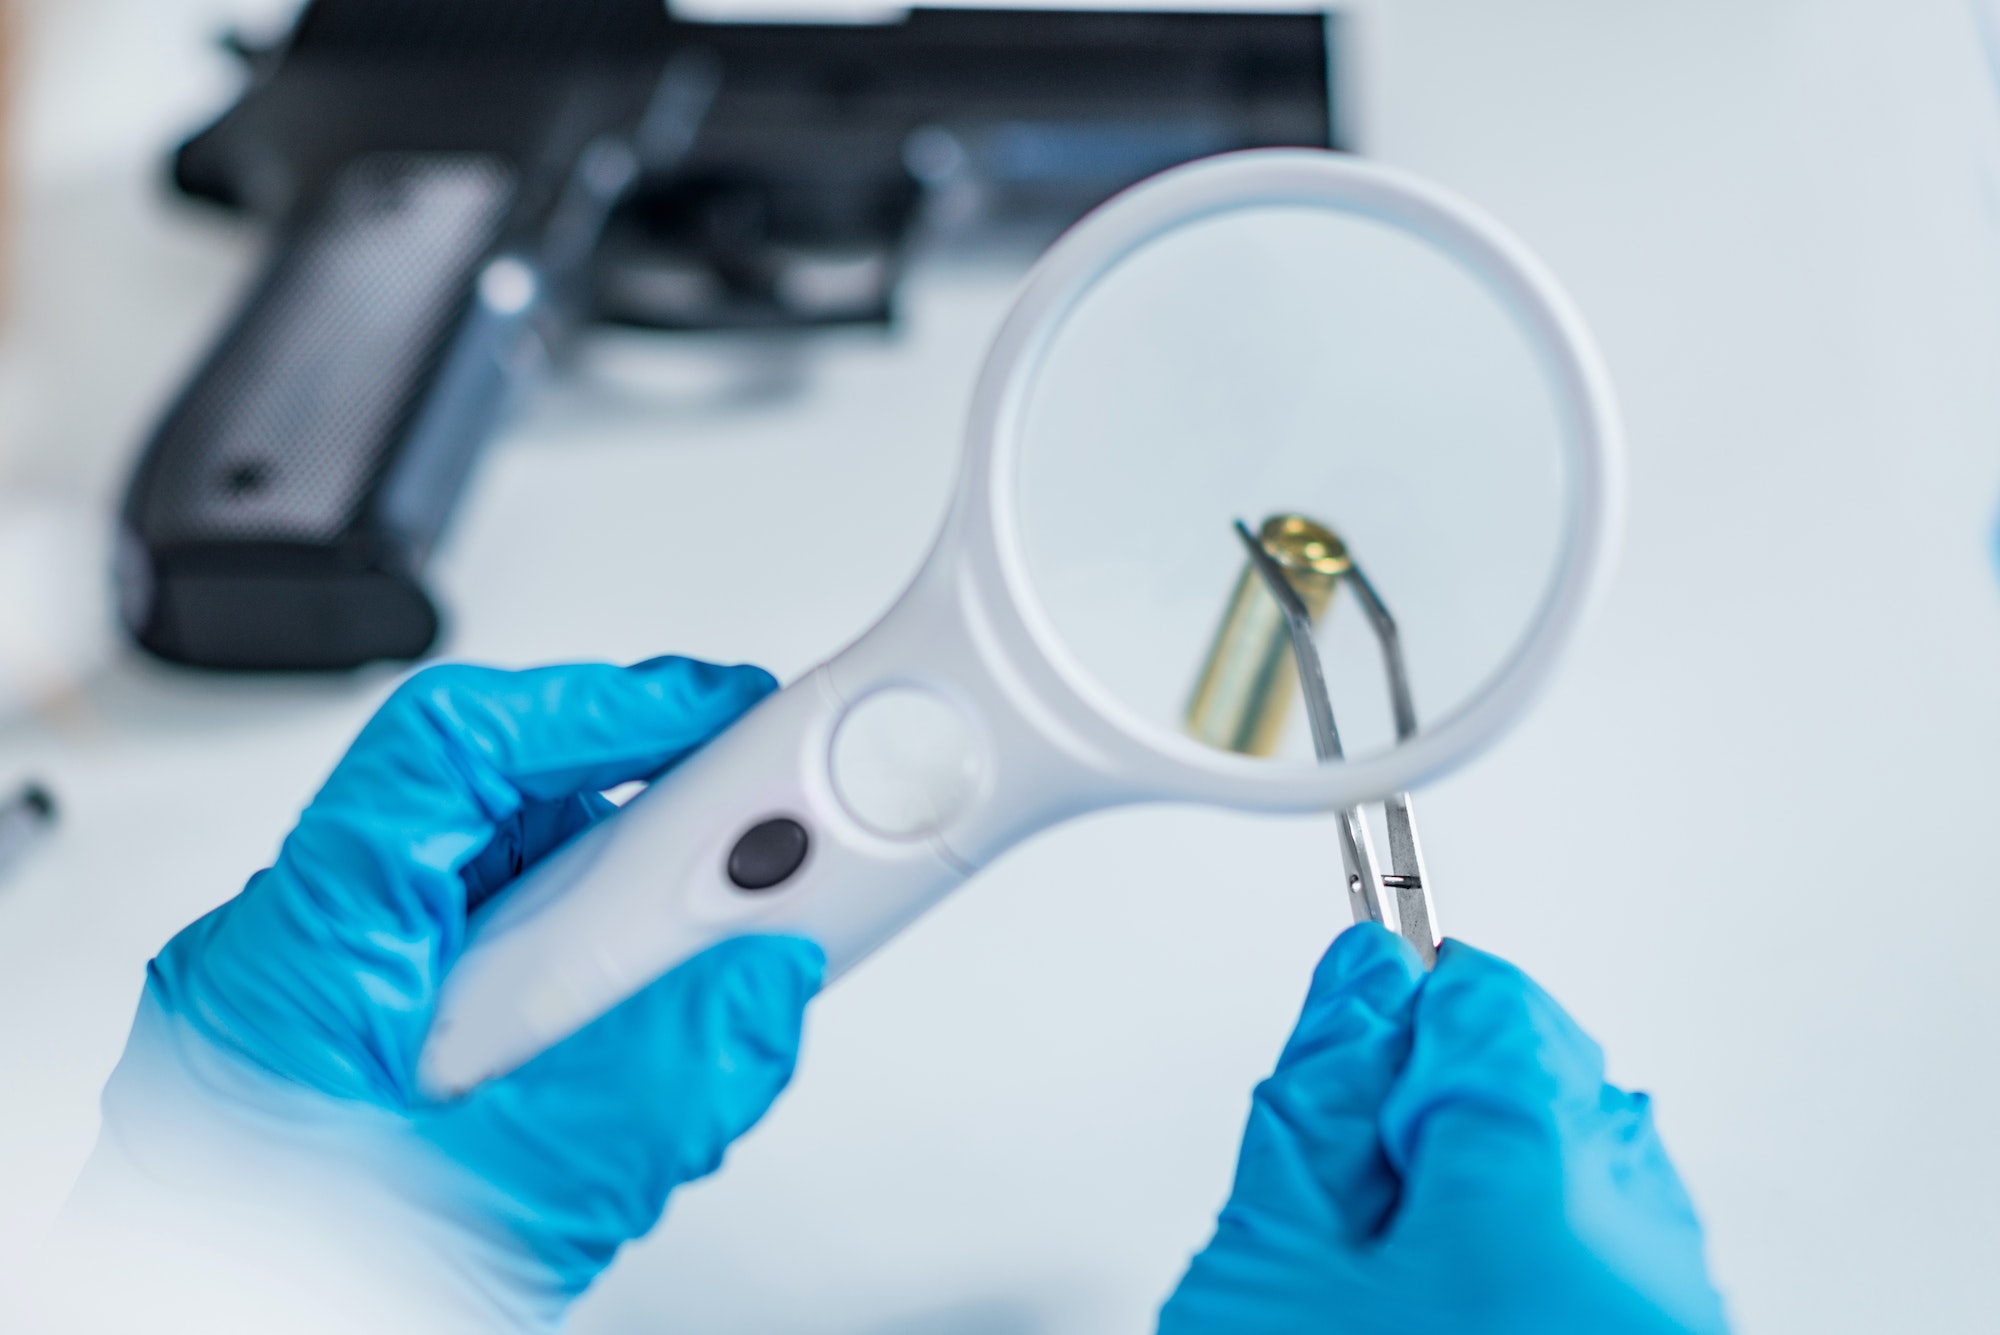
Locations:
{"points": [[283, 510]]}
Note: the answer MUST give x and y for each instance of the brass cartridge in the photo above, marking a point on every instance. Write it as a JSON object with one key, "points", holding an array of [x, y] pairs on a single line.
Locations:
{"points": [[1244, 694]]}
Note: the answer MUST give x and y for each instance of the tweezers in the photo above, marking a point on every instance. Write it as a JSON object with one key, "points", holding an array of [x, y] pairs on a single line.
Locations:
{"points": [[1401, 898]]}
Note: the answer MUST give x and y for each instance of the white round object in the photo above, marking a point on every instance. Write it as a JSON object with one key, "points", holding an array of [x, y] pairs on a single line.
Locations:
{"points": [[507, 286], [56, 619], [905, 762], [987, 534]]}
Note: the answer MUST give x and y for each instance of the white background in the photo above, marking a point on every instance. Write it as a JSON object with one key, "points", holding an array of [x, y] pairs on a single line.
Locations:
{"points": [[1748, 838]]}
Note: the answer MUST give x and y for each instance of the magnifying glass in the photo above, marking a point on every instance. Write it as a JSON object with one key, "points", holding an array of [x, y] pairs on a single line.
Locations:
{"points": [[1365, 369]]}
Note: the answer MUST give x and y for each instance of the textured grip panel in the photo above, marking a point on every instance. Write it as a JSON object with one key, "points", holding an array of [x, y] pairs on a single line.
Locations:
{"points": [[287, 427]]}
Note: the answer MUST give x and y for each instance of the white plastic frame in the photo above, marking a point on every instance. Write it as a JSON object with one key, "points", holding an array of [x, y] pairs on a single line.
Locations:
{"points": [[991, 550]]}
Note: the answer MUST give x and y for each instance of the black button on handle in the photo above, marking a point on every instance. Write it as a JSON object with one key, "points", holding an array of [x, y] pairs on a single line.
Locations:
{"points": [[769, 854]]}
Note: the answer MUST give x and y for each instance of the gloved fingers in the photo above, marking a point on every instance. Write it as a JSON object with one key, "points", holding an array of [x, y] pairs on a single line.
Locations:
{"points": [[1312, 1156], [1366, 971], [1620, 1142], [1311, 1180], [327, 966], [546, 733], [550, 816], [1629, 1208], [586, 1141], [458, 751], [1499, 1081], [525, 838]]}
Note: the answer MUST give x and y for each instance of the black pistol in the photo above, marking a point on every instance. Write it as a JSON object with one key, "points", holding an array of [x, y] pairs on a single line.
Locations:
{"points": [[457, 186]]}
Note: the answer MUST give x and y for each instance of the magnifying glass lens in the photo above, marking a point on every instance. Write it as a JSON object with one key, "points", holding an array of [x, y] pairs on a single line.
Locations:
{"points": [[1359, 400]]}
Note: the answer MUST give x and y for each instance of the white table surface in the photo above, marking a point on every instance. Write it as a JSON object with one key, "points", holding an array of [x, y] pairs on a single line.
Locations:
{"points": [[1748, 838]]}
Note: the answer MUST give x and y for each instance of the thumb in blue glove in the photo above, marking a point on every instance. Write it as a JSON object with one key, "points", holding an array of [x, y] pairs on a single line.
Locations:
{"points": [[1444, 1155], [280, 1033]]}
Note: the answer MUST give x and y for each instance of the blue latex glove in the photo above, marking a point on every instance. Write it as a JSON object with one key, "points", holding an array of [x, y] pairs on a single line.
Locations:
{"points": [[1440, 1155], [296, 1011]]}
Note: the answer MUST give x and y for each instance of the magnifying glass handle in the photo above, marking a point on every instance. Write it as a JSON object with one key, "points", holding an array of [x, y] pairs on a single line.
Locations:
{"points": [[838, 810], [748, 836]]}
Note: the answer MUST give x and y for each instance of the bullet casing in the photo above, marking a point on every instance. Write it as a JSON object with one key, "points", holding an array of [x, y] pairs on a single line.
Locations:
{"points": [[1244, 694]]}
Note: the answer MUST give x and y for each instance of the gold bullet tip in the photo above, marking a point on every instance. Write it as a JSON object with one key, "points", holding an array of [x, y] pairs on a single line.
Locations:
{"points": [[1297, 543]]}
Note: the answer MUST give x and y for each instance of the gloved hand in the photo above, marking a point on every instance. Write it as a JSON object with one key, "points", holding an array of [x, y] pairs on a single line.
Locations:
{"points": [[278, 1036], [1440, 1155]]}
